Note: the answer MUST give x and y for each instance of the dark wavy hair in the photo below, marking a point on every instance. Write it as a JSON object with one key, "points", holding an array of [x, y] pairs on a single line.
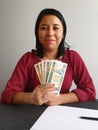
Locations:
{"points": [[62, 47]]}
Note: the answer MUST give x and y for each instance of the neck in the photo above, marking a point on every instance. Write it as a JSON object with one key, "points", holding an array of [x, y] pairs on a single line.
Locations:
{"points": [[50, 55]]}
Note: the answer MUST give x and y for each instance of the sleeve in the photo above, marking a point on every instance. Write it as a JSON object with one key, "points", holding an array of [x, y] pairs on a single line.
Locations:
{"points": [[85, 89], [18, 80]]}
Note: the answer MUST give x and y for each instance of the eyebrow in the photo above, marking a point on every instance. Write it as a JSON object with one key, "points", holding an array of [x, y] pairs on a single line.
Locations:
{"points": [[47, 25]]}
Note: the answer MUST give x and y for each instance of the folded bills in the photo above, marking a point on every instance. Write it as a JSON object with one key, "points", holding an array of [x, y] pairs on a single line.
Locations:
{"points": [[51, 71]]}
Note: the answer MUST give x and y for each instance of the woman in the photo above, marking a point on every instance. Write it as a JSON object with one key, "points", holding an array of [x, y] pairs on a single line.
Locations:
{"points": [[24, 86]]}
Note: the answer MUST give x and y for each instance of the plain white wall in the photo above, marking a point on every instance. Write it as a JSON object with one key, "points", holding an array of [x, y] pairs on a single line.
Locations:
{"points": [[17, 22]]}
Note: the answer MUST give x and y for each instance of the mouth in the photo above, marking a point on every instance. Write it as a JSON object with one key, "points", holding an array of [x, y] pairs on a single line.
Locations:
{"points": [[50, 40]]}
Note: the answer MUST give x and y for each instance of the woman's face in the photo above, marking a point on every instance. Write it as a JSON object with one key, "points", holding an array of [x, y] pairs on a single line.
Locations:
{"points": [[50, 32]]}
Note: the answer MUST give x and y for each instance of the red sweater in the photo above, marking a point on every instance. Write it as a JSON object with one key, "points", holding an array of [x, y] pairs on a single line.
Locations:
{"points": [[24, 77]]}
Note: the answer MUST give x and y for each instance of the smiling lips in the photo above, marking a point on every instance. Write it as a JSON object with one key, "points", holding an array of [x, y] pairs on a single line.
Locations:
{"points": [[49, 40]]}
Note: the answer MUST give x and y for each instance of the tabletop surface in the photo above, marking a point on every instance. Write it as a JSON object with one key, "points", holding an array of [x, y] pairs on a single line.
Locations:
{"points": [[22, 117]]}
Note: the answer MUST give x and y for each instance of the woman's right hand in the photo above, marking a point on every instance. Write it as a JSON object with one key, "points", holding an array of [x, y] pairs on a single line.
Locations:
{"points": [[42, 93]]}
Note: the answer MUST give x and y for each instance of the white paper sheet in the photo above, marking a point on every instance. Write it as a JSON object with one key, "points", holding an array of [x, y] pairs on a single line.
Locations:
{"points": [[66, 118]]}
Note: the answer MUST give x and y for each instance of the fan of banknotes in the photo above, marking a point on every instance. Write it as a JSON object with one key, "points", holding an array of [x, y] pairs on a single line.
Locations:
{"points": [[51, 71]]}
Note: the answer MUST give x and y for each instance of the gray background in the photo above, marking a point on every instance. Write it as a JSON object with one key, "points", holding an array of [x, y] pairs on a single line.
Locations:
{"points": [[17, 21]]}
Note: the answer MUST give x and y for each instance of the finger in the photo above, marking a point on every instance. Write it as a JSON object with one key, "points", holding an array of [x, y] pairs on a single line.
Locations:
{"points": [[45, 90]]}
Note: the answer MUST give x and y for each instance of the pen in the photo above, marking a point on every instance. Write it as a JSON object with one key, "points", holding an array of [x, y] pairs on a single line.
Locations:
{"points": [[89, 118]]}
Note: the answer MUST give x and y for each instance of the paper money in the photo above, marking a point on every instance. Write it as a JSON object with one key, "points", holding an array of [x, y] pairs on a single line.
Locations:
{"points": [[51, 71]]}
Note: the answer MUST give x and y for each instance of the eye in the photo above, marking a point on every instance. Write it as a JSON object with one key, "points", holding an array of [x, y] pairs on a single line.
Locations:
{"points": [[56, 28], [43, 27]]}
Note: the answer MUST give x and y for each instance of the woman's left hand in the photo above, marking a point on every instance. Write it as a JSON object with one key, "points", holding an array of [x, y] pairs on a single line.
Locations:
{"points": [[54, 101]]}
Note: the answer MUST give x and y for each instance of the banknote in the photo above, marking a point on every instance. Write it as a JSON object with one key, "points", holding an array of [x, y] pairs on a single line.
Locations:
{"points": [[51, 71], [43, 72], [37, 68], [56, 74]]}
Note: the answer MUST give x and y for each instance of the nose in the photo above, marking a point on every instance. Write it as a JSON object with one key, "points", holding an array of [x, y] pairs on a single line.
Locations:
{"points": [[50, 31]]}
